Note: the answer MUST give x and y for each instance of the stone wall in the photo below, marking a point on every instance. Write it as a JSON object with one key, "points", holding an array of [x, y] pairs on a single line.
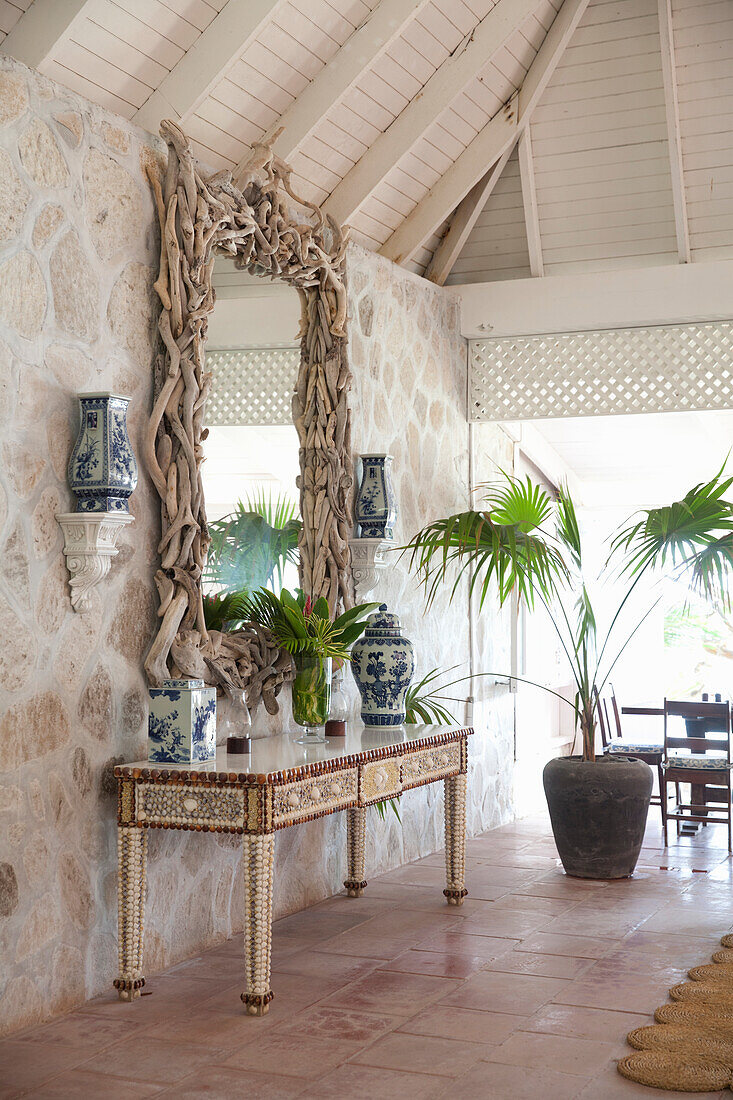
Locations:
{"points": [[409, 400], [78, 250]]}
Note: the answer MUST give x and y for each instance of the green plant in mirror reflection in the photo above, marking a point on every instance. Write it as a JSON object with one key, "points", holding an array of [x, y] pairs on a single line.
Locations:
{"points": [[251, 546], [224, 610]]}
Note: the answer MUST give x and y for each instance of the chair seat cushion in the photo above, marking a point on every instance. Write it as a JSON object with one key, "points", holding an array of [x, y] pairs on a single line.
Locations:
{"points": [[628, 748], [705, 762]]}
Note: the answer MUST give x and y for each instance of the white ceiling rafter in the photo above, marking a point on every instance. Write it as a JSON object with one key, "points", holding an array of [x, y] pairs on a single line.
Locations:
{"points": [[669, 74], [465, 217], [207, 62], [39, 30], [490, 144], [446, 83], [529, 200], [366, 45], [630, 142]]}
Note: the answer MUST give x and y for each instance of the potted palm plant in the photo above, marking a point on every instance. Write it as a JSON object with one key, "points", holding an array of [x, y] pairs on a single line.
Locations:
{"points": [[524, 543], [305, 629]]}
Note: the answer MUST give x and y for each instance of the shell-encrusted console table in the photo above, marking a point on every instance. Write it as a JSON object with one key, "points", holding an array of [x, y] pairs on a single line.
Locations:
{"points": [[281, 783]]}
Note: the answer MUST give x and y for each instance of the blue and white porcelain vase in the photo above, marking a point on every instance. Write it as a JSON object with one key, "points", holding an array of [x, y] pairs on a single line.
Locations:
{"points": [[182, 723], [376, 504], [383, 665], [102, 467]]}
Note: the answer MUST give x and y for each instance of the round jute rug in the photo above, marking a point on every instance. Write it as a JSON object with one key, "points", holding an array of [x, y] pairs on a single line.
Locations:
{"points": [[717, 1018], [677, 1072], [705, 992], [681, 1038], [690, 1047], [725, 955], [712, 972]]}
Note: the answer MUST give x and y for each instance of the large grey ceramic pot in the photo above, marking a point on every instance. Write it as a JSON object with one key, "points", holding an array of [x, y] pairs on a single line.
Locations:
{"points": [[598, 812]]}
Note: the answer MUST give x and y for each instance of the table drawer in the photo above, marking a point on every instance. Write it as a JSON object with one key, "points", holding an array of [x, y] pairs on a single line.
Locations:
{"points": [[427, 765], [379, 779], [177, 804], [307, 798]]}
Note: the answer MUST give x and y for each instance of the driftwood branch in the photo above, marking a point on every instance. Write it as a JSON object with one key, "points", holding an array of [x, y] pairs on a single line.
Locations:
{"points": [[273, 232]]}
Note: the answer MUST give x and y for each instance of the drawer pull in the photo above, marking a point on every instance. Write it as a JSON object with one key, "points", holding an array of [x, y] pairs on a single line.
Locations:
{"points": [[190, 804]]}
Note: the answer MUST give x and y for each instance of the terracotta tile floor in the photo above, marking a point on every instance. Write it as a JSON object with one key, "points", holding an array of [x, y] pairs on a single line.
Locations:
{"points": [[527, 990]]}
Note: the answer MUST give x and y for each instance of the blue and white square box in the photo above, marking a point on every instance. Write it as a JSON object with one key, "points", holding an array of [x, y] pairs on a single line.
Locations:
{"points": [[182, 723]]}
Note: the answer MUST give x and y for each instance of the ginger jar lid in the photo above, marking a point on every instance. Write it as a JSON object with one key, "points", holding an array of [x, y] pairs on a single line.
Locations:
{"points": [[383, 622]]}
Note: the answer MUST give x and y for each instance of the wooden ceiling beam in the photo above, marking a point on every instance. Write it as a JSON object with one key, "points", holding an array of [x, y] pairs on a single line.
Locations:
{"points": [[369, 41], [489, 145], [447, 82], [529, 201], [39, 30], [206, 63], [465, 217], [669, 74]]}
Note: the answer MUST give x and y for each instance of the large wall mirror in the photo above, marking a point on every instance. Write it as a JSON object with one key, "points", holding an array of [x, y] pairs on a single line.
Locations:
{"points": [[247, 398], [252, 450]]}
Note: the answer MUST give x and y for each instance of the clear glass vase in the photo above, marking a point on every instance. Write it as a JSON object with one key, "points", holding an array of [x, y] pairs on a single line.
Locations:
{"points": [[237, 724], [338, 715], [311, 697]]}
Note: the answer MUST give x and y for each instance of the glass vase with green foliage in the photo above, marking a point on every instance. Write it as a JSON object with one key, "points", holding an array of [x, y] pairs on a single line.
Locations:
{"points": [[306, 630], [525, 543]]}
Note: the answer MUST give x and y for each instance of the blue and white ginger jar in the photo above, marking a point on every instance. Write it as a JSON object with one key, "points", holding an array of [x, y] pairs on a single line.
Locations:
{"points": [[182, 723], [102, 467], [383, 665], [376, 505]]}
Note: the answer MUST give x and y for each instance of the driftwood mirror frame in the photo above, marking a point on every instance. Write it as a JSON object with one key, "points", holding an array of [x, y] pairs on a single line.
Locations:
{"points": [[271, 232]]}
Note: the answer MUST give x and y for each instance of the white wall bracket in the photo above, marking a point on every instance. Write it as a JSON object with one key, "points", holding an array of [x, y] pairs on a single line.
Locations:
{"points": [[368, 559], [89, 545]]}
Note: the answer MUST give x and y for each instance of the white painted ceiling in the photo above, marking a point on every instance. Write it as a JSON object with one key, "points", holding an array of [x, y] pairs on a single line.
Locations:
{"points": [[394, 110], [633, 461]]}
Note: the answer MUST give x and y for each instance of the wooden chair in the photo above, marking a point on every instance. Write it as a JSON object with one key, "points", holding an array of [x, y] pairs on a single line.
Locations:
{"points": [[652, 753], [699, 758]]}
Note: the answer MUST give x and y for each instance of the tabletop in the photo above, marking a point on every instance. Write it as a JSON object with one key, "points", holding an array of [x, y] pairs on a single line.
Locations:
{"points": [[281, 759]]}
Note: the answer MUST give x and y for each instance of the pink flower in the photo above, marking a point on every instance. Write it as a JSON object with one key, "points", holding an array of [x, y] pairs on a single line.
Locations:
{"points": [[308, 607]]}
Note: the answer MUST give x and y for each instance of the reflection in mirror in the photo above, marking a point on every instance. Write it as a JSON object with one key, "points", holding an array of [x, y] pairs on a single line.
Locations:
{"points": [[251, 451]]}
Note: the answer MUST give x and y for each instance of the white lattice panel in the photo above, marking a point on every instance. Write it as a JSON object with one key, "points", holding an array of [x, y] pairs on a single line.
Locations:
{"points": [[668, 368], [251, 386]]}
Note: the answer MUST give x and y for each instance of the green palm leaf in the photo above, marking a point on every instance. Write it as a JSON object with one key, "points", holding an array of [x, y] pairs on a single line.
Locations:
{"points": [[694, 535], [312, 634], [225, 608], [251, 546], [278, 512], [568, 530], [504, 544], [423, 701]]}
